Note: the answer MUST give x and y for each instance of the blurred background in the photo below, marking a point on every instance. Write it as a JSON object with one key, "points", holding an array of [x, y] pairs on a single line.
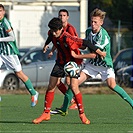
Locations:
{"points": [[30, 18]]}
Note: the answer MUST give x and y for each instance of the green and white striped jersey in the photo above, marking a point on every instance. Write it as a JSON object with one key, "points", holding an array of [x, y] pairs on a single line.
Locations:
{"points": [[7, 48], [102, 41]]}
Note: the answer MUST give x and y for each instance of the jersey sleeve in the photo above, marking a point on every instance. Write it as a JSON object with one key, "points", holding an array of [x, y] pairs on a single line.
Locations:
{"points": [[7, 25], [8, 31], [88, 44], [49, 38], [103, 41]]}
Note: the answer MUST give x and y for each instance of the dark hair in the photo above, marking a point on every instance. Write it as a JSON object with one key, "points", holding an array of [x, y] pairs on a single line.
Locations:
{"points": [[55, 24], [1, 6], [63, 10]]}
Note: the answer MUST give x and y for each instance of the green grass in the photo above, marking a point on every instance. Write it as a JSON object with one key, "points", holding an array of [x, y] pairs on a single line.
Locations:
{"points": [[108, 114]]}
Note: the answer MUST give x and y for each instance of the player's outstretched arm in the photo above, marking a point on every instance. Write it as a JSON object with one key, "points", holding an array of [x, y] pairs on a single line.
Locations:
{"points": [[45, 48], [83, 56], [102, 54], [51, 52], [48, 40], [88, 44]]}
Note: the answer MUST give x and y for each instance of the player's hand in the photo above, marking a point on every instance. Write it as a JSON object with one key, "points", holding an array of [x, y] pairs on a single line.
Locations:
{"points": [[45, 48], [93, 55], [50, 54], [73, 54], [103, 55]]}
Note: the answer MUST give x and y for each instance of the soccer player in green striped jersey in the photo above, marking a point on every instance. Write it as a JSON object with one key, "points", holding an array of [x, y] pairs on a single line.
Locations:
{"points": [[9, 54], [98, 36], [103, 66]]}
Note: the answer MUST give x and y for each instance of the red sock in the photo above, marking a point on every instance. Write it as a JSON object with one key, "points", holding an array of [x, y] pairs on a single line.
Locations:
{"points": [[48, 101], [62, 87], [78, 99]]}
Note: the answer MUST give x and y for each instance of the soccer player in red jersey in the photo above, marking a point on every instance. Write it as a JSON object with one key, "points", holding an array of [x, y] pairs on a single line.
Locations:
{"points": [[63, 14], [65, 44]]}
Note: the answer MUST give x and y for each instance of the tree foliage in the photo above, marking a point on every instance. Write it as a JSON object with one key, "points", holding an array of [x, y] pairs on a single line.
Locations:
{"points": [[116, 10]]}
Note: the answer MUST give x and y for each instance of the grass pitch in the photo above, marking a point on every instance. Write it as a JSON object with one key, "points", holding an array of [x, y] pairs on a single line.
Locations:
{"points": [[107, 113]]}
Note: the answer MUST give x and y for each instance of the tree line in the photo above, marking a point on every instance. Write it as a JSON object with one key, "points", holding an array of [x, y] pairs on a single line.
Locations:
{"points": [[116, 10]]}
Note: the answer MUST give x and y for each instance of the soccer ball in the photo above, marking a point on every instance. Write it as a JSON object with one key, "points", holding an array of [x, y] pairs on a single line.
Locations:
{"points": [[72, 69]]}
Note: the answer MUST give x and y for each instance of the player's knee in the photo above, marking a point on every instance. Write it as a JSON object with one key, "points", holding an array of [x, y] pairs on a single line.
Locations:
{"points": [[51, 87], [111, 86]]}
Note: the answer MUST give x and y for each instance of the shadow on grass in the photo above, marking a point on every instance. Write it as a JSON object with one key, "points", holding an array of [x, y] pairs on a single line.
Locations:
{"points": [[15, 122], [46, 122]]}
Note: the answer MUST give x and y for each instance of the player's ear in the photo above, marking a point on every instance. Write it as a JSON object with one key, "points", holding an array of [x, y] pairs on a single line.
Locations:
{"points": [[101, 22], [67, 17], [4, 12]]}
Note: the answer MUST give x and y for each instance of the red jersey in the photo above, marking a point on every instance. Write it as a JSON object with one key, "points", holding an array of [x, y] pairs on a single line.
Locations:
{"points": [[64, 44], [70, 29]]}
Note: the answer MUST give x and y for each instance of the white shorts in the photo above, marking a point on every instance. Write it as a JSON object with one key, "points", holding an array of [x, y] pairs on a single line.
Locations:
{"points": [[93, 71], [11, 61]]}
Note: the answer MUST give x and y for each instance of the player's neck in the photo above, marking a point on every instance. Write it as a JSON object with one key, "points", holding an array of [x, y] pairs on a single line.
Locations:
{"points": [[1, 18], [65, 24]]}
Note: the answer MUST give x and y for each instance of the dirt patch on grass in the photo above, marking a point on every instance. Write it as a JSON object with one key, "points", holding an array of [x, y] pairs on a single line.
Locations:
{"points": [[84, 90], [102, 90]]}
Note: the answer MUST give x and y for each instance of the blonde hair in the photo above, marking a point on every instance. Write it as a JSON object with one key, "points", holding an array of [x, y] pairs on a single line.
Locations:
{"points": [[97, 12]]}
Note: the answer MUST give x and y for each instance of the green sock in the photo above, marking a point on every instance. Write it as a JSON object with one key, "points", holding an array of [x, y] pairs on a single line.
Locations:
{"points": [[123, 94], [67, 99], [29, 87]]}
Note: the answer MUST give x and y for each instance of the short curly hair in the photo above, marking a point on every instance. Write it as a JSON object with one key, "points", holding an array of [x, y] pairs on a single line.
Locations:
{"points": [[55, 24]]}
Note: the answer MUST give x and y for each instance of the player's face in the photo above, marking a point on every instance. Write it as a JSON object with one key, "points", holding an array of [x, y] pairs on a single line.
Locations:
{"points": [[2, 13], [56, 33], [63, 16], [96, 23]]}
